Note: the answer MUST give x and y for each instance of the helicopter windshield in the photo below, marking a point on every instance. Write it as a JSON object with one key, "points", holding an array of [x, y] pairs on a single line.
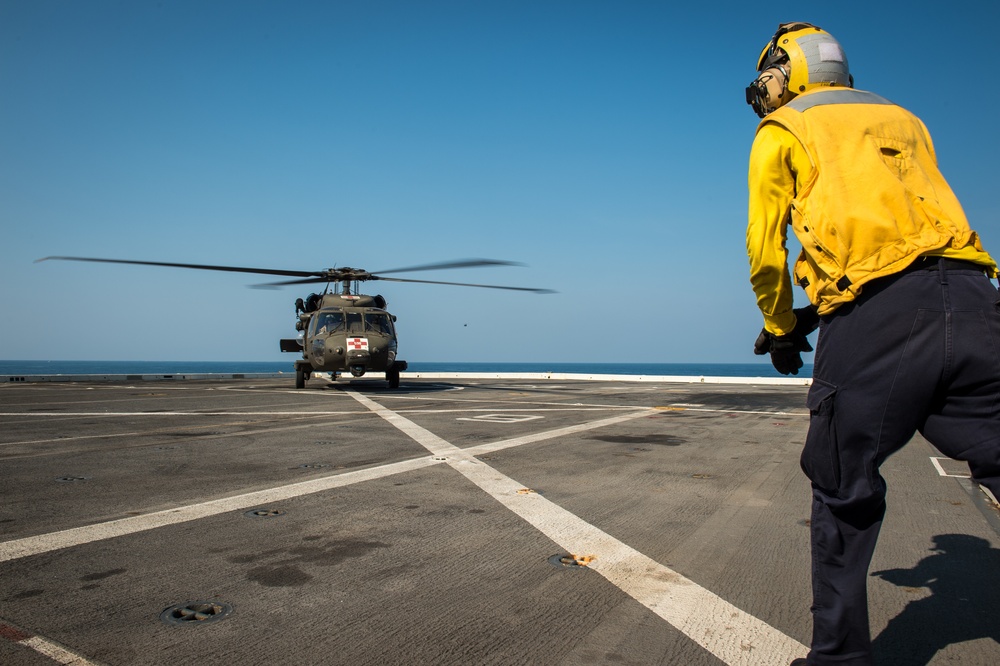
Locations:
{"points": [[355, 325], [328, 322], [378, 322]]}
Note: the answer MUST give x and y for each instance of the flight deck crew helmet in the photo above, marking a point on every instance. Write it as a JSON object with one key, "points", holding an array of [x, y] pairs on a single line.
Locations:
{"points": [[799, 57]]}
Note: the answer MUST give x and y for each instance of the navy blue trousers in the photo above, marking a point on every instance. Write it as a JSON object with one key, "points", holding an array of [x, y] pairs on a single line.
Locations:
{"points": [[917, 351]]}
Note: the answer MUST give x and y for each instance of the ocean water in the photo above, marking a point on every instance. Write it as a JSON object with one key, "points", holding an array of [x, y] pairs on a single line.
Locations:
{"points": [[229, 367]]}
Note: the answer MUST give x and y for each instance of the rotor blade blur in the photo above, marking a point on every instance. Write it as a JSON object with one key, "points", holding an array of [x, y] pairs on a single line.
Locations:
{"points": [[312, 280], [466, 284], [466, 263], [231, 269]]}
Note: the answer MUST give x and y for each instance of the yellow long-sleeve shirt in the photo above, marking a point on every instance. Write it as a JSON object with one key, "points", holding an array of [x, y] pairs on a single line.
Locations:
{"points": [[775, 159], [846, 212]]}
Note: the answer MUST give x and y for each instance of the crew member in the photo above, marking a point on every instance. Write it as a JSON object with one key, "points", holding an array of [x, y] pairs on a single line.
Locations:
{"points": [[899, 285]]}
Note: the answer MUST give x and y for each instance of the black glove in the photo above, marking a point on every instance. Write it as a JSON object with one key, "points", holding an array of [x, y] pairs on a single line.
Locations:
{"points": [[785, 350], [806, 320]]}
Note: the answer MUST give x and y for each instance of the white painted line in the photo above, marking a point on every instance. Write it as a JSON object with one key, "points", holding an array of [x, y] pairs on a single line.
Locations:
{"points": [[732, 635], [740, 411], [490, 447], [568, 376], [942, 472], [49, 415], [501, 418], [990, 496], [147, 433], [43, 543], [521, 406], [54, 651]]}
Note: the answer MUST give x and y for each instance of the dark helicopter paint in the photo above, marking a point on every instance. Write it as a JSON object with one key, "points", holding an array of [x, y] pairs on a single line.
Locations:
{"points": [[365, 338]]}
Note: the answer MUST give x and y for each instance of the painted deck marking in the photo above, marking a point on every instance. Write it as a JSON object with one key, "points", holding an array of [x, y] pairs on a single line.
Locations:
{"points": [[936, 461], [43, 646], [500, 418], [75, 536], [732, 635]]}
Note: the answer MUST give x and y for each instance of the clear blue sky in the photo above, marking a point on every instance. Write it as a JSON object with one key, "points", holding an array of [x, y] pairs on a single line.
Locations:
{"points": [[603, 144]]}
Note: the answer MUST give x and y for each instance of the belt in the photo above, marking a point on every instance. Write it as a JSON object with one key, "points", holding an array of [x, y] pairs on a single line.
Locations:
{"points": [[926, 264], [933, 263]]}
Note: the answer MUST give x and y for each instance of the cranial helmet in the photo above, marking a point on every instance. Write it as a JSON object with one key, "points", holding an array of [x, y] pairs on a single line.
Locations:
{"points": [[799, 57]]}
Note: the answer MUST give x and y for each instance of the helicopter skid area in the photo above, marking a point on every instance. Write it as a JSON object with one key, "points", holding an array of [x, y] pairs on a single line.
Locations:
{"points": [[454, 520]]}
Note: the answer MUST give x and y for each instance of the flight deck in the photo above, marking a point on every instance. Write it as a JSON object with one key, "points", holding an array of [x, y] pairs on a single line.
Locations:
{"points": [[456, 519]]}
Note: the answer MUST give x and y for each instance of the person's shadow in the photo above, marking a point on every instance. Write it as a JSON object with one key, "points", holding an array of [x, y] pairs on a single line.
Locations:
{"points": [[963, 576]]}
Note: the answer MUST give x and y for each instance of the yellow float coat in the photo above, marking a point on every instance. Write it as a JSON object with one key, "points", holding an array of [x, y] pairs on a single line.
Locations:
{"points": [[857, 178]]}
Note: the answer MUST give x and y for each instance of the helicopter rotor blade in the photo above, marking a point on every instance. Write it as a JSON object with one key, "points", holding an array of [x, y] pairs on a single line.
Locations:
{"points": [[311, 280], [325, 276], [465, 263], [232, 269], [466, 284]]}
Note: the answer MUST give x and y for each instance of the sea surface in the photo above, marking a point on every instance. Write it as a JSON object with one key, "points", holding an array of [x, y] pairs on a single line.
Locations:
{"points": [[763, 369]]}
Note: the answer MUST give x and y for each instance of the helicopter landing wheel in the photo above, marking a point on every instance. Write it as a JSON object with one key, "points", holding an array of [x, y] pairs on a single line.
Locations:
{"points": [[392, 376], [300, 378]]}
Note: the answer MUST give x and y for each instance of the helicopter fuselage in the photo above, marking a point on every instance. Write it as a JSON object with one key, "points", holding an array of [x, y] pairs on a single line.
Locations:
{"points": [[345, 333]]}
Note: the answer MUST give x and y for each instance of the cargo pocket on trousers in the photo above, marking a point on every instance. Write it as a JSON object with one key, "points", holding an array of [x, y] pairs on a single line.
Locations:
{"points": [[821, 454]]}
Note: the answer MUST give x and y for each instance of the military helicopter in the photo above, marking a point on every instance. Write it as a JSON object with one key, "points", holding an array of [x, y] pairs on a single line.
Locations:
{"points": [[340, 330]]}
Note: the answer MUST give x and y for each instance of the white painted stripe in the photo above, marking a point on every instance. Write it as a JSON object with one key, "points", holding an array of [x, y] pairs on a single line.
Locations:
{"points": [[941, 471], [195, 433], [490, 447], [740, 411], [49, 415], [666, 379], [464, 410], [43, 543], [55, 652], [153, 433], [732, 635], [573, 408], [679, 379], [43, 646]]}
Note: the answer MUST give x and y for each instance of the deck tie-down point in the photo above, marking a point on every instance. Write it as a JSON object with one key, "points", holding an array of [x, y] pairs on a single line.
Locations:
{"points": [[264, 513], [195, 612], [570, 561]]}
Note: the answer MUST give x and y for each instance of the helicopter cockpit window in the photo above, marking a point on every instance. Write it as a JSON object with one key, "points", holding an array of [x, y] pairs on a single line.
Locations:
{"points": [[328, 322], [378, 323], [355, 325]]}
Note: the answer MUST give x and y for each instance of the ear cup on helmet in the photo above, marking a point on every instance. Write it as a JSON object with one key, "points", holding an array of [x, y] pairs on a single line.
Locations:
{"points": [[768, 91], [774, 81]]}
